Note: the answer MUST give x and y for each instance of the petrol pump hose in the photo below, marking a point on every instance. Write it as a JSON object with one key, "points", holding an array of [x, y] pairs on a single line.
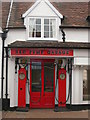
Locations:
{"points": [[67, 96]]}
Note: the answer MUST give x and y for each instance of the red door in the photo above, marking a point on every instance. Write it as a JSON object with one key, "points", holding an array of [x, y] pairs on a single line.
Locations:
{"points": [[35, 84], [42, 84], [62, 87], [22, 87]]}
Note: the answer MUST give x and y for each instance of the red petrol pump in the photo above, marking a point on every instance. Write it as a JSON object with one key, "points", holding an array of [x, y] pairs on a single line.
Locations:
{"points": [[62, 87], [61, 82], [22, 88]]}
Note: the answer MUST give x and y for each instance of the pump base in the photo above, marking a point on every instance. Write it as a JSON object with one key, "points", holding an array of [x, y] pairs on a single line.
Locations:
{"points": [[61, 109], [26, 109], [4, 104]]}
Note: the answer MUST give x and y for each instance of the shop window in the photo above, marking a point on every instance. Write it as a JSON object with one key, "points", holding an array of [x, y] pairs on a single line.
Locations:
{"points": [[86, 95], [42, 28]]}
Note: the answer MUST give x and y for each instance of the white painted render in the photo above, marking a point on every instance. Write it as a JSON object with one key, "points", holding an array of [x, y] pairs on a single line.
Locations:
{"points": [[42, 5], [81, 57], [76, 35], [11, 79], [15, 35]]}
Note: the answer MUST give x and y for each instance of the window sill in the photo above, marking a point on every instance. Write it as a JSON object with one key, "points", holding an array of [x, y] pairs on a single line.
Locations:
{"points": [[46, 39]]}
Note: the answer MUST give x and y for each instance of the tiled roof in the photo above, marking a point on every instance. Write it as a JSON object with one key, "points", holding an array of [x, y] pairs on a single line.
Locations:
{"points": [[75, 13], [5, 11], [49, 44]]}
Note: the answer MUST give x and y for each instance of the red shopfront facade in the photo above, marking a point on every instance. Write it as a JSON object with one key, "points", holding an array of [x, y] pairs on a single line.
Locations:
{"points": [[42, 75]]}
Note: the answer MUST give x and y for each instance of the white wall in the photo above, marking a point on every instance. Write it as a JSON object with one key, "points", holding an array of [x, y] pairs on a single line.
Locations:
{"points": [[81, 57], [15, 35], [11, 79], [76, 35]]}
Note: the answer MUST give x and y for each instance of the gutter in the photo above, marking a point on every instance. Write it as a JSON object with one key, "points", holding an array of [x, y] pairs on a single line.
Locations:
{"points": [[77, 27], [9, 13]]}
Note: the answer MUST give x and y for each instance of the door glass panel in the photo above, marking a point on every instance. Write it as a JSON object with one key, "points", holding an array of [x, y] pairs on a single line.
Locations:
{"points": [[36, 76], [48, 77]]}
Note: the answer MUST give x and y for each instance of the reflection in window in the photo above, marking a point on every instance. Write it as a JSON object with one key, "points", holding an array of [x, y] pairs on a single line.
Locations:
{"points": [[36, 76], [86, 95], [48, 77], [34, 27]]}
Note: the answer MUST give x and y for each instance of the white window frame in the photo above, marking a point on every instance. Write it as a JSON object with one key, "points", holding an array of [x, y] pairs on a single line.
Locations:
{"points": [[42, 29]]}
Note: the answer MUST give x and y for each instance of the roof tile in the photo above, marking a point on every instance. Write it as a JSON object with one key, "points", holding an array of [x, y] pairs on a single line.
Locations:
{"points": [[75, 13]]}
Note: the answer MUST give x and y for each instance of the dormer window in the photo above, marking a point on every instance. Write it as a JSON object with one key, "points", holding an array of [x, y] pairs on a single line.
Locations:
{"points": [[42, 28]]}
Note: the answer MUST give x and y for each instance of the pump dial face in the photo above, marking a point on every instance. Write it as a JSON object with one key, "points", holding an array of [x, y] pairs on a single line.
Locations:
{"points": [[62, 76], [22, 76]]}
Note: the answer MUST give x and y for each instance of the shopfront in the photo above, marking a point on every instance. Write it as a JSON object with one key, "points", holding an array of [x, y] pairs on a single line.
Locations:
{"points": [[42, 69]]}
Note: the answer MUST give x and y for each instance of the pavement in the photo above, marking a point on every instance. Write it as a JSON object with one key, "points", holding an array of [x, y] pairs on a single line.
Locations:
{"points": [[45, 113]]}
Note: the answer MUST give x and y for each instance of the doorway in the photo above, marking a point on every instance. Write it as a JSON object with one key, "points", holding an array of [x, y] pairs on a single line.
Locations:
{"points": [[42, 84]]}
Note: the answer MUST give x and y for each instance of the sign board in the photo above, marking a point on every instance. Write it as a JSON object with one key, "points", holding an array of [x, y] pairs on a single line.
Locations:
{"points": [[39, 52]]}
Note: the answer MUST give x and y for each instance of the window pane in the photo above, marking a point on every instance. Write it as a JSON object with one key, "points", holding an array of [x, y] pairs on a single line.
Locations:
{"points": [[32, 21], [46, 28], [51, 34], [52, 22], [38, 21], [48, 77], [32, 34], [38, 28], [32, 28], [46, 21], [51, 29], [38, 34], [46, 34], [36, 76]]}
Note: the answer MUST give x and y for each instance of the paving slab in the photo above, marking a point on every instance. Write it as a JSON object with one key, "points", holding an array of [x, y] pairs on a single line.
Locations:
{"points": [[45, 113]]}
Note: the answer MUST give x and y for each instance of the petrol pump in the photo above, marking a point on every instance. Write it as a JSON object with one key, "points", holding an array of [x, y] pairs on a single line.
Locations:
{"points": [[62, 87], [22, 88], [22, 78], [61, 81]]}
